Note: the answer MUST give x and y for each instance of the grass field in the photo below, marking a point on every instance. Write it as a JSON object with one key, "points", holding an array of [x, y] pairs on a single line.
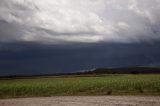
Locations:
{"points": [[80, 85]]}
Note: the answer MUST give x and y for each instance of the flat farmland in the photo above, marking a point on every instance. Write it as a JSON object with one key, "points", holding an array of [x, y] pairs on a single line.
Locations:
{"points": [[112, 84]]}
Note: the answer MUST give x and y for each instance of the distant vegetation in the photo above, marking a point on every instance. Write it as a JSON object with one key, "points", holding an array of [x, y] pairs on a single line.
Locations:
{"points": [[99, 71], [110, 84], [129, 70]]}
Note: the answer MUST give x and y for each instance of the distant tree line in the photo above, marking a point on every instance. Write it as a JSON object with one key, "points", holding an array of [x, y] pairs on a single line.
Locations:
{"points": [[128, 70]]}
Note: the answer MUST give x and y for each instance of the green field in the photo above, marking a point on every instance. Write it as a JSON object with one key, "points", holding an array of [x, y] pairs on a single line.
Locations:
{"points": [[81, 85]]}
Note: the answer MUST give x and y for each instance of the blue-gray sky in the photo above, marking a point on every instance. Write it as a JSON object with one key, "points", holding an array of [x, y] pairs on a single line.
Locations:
{"points": [[48, 36]]}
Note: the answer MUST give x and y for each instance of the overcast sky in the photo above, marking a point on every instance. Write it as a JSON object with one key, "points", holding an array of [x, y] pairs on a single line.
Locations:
{"points": [[86, 23], [63, 21]]}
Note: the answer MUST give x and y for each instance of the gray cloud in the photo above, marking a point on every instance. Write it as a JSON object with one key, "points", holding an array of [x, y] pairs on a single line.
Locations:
{"points": [[62, 21], [28, 58]]}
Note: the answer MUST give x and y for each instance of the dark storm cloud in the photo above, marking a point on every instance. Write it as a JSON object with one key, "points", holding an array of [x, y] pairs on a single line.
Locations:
{"points": [[48, 36], [38, 59], [10, 31]]}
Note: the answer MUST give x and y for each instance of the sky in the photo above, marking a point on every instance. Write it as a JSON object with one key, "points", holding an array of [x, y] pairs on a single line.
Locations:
{"points": [[53, 36]]}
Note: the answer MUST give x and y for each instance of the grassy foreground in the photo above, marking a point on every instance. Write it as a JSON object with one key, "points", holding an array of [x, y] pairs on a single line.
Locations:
{"points": [[78, 85]]}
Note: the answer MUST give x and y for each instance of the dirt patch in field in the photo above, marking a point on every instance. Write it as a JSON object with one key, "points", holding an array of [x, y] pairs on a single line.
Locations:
{"points": [[83, 101]]}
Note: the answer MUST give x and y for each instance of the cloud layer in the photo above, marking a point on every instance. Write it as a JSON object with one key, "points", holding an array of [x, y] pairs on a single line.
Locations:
{"points": [[89, 21], [27, 58]]}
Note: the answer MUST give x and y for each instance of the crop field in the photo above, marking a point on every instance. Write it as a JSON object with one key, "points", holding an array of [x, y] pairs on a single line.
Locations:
{"points": [[122, 84]]}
